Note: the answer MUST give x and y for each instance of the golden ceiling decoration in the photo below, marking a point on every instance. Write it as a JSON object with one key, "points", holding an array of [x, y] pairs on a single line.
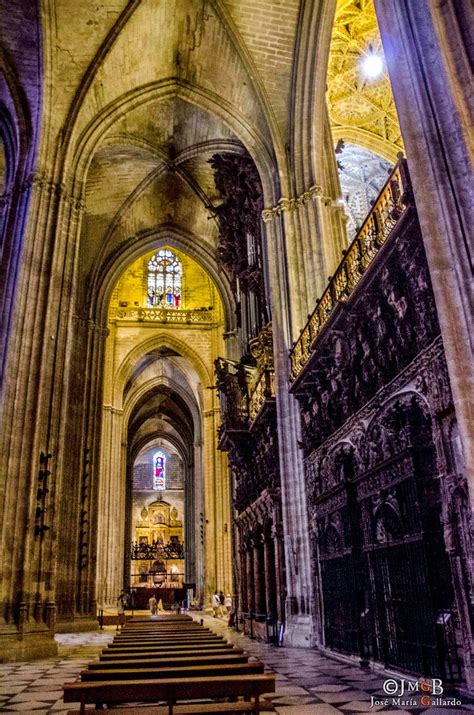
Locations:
{"points": [[362, 111]]}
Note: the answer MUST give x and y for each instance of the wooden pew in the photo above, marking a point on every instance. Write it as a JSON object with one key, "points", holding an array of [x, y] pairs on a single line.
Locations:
{"points": [[164, 642], [163, 624], [219, 708], [178, 643], [168, 636], [143, 618], [163, 628], [169, 629], [169, 662], [175, 653], [191, 630], [172, 690], [165, 632], [131, 672], [167, 647]]}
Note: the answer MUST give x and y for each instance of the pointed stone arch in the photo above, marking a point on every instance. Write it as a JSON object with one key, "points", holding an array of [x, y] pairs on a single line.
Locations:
{"points": [[80, 155], [108, 272]]}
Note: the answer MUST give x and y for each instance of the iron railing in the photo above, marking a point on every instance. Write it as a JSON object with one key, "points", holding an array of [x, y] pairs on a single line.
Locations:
{"points": [[146, 552], [264, 390], [162, 315], [377, 227]]}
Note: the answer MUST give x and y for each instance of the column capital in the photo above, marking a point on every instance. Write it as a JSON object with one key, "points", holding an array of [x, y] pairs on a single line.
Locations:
{"points": [[293, 203], [38, 179]]}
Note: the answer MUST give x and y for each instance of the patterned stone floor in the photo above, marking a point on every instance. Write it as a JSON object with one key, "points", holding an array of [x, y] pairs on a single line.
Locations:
{"points": [[308, 683]]}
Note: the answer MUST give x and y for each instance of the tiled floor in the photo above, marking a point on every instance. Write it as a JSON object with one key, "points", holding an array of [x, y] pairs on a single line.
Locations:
{"points": [[307, 683]]}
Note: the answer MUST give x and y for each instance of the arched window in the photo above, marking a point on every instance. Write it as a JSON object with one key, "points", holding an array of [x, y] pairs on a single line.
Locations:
{"points": [[165, 274], [159, 471]]}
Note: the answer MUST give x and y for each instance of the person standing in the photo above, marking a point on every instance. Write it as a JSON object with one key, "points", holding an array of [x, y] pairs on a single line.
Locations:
{"points": [[153, 604], [132, 600], [121, 601], [215, 604], [228, 603], [221, 603]]}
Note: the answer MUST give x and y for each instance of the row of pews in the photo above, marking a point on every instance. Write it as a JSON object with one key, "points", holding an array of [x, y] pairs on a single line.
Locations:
{"points": [[171, 659]]}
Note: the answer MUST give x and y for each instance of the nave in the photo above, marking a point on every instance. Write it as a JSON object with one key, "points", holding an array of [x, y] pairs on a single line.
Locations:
{"points": [[235, 343], [307, 682]]}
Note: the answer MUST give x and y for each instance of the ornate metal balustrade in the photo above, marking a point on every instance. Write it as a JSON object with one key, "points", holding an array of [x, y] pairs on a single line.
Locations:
{"points": [[248, 430], [162, 315], [155, 551], [264, 390], [390, 206], [232, 387]]}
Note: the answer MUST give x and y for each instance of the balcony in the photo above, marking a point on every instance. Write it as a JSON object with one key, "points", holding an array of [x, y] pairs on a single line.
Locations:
{"points": [[262, 395], [262, 385], [248, 430], [162, 315], [232, 387], [388, 210]]}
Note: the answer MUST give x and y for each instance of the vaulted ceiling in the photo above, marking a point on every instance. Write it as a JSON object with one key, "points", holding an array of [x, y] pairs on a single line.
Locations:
{"points": [[141, 93], [362, 110], [145, 93]]}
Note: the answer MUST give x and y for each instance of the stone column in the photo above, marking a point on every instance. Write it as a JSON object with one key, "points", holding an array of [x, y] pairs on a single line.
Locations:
{"points": [[270, 582], [293, 495], [259, 575], [77, 548], [36, 378], [250, 579], [243, 580], [280, 577], [111, 506], [427, 53]]}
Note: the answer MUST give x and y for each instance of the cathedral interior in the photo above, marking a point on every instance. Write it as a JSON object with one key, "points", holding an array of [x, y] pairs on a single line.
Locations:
{"points": [[236, 296]]}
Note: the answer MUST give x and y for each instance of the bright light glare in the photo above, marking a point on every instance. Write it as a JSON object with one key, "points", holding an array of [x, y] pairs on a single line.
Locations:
{"points": [[372, 66]]}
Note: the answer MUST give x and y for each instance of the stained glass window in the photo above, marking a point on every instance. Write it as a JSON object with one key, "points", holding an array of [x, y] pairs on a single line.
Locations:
{"points": [[165, 274], [159, 471]]}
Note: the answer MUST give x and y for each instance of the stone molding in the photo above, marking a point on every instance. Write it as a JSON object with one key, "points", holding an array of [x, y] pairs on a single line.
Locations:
{"points": [[114, 411], [39, 180], [292, 204], [212, 412]]}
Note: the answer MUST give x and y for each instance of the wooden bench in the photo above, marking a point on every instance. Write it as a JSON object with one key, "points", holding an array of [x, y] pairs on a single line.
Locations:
{"points": [[174, 637], [167, 647], [168, 630], [187, 625], [169, 662], [159, 641], [176, 653], [163, 617], [184, 671], [163, 624], [234, 708], [165, 633], [193, 626], [173, 689], [123, 645]]}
